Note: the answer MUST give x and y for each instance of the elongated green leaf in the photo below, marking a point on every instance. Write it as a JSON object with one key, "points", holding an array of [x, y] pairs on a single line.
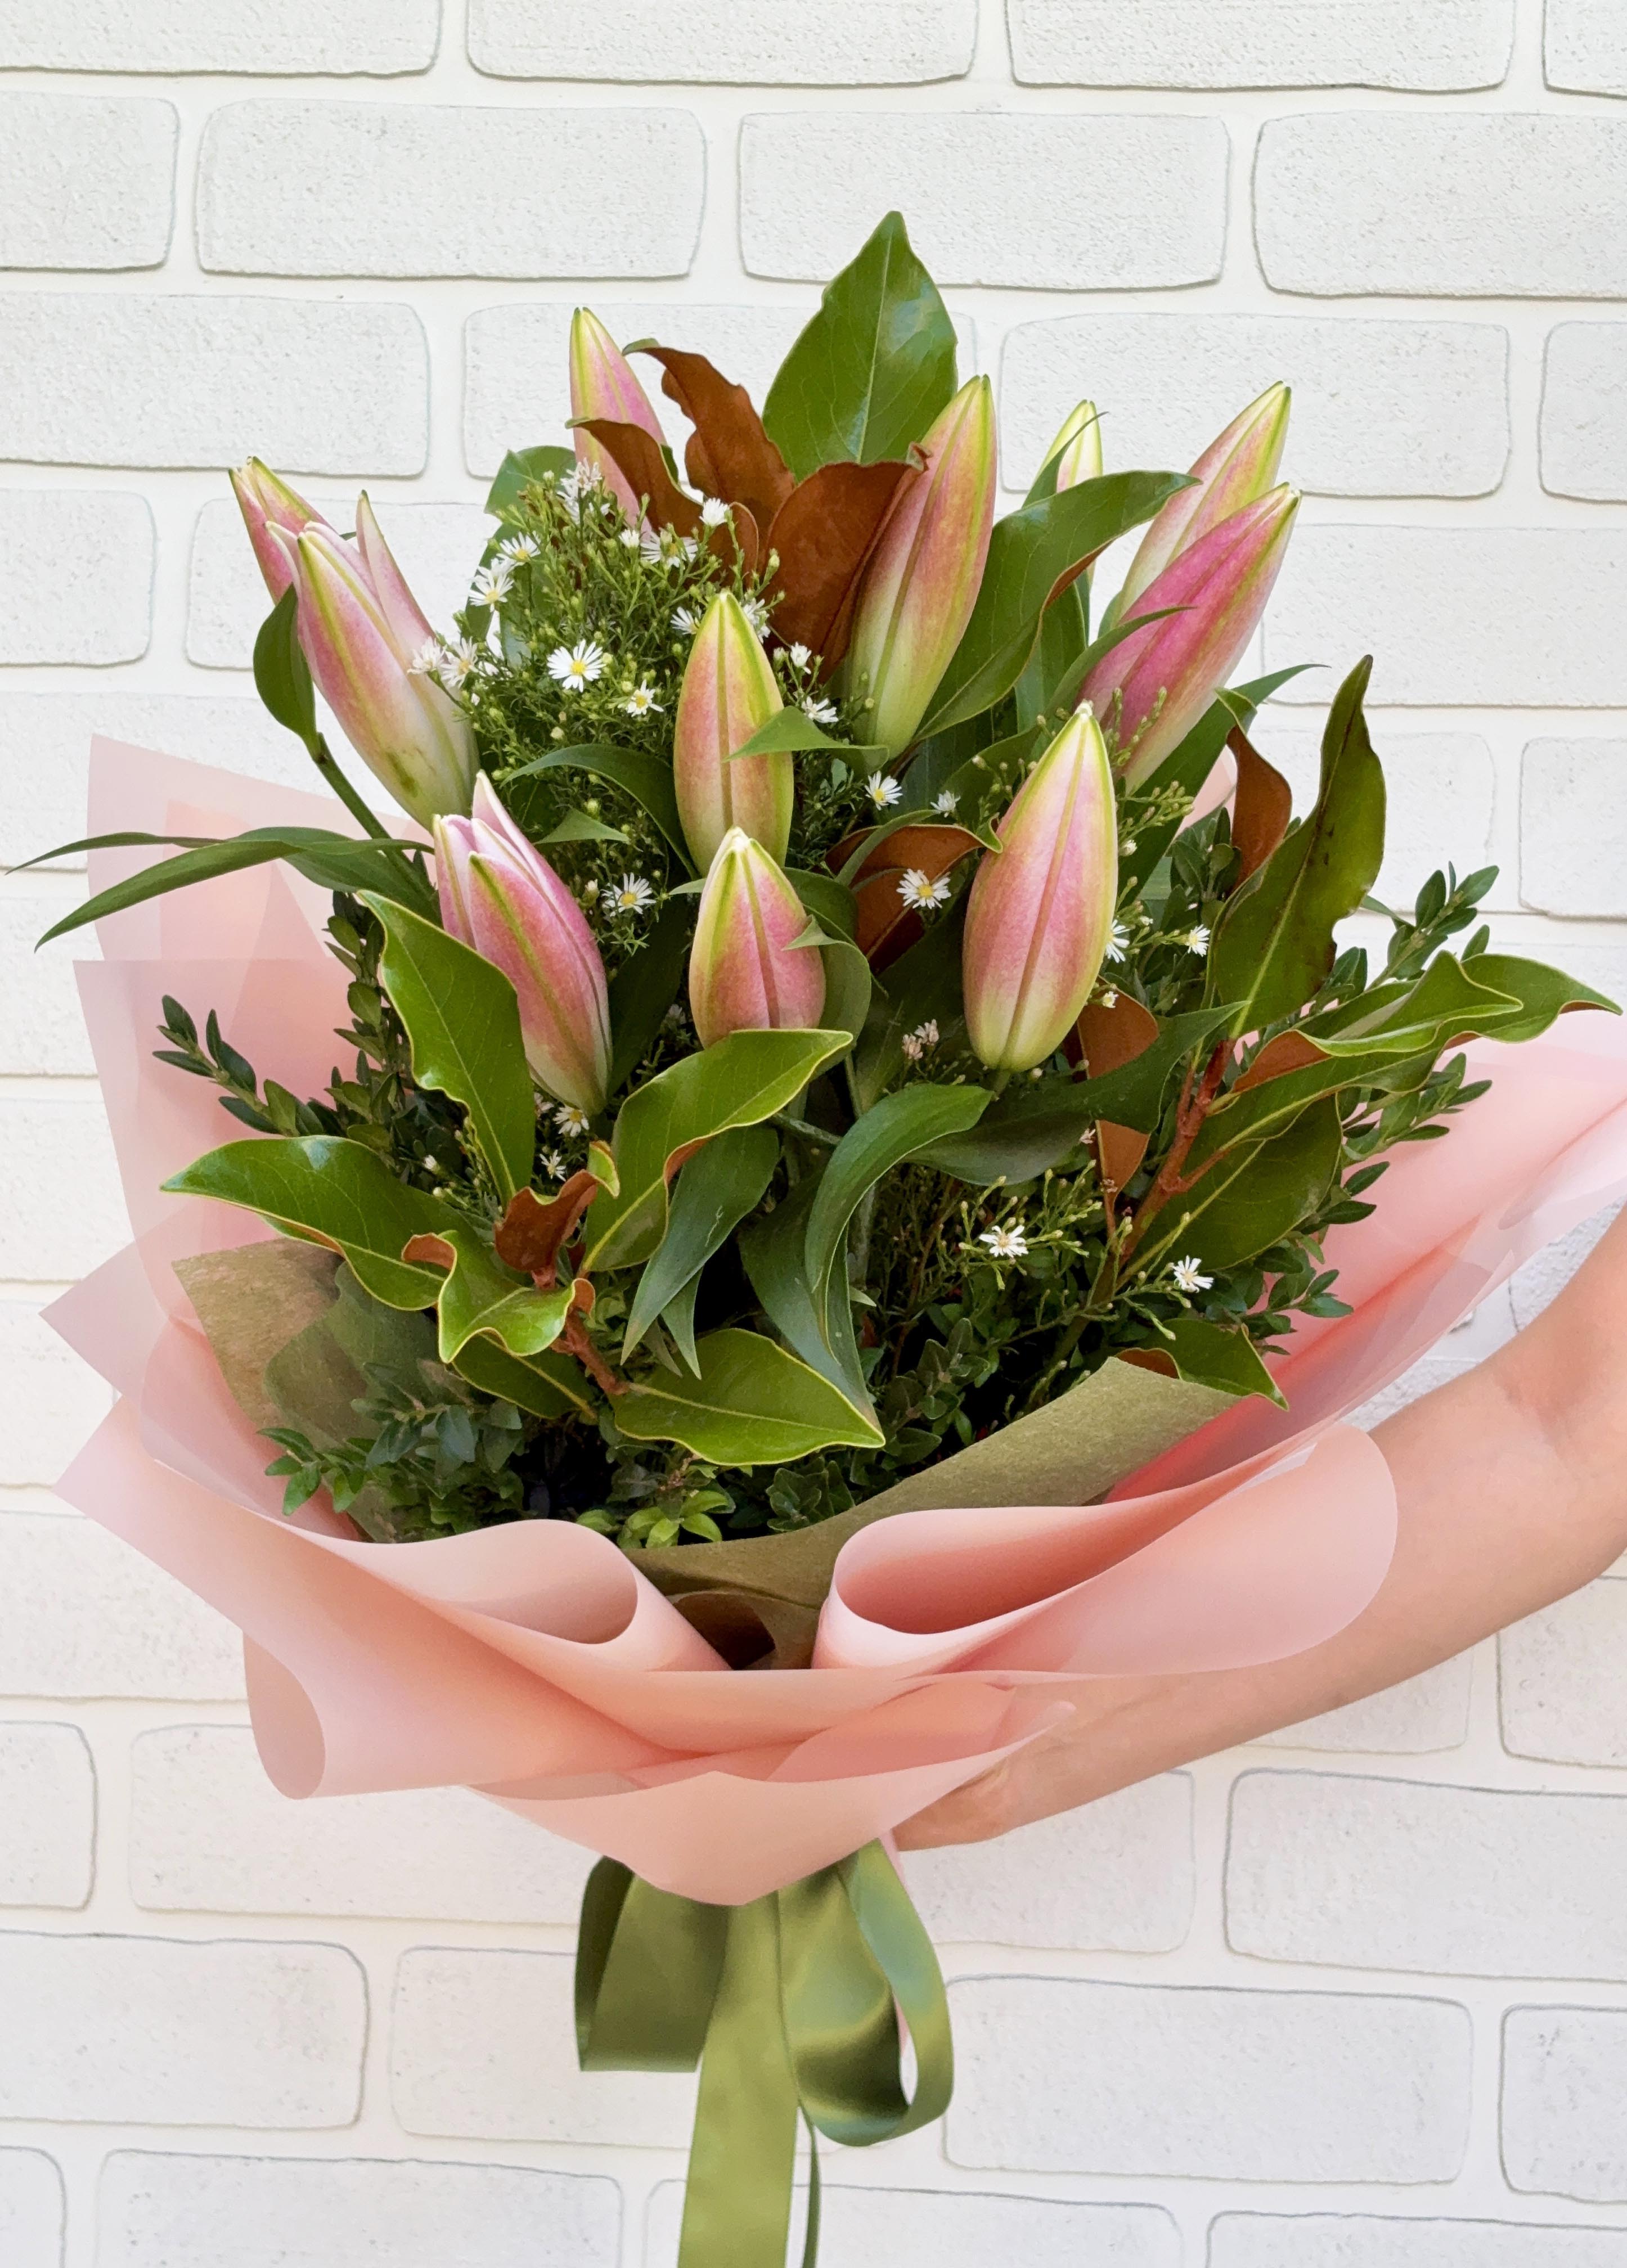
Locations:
{"points": [[480, 1294], [282, 674], [463, 1021], [1252, 1195], [719, 1186], [519, 469], [333, 1192], [873, 368], [849, 985], [582, 826], [1401, 1016], [739, 1081], [647, 779], [1274, 944], [644, 987], [1189, 765], [752, 1404], [1061, 649], [791, 729], [1029, 552], [548, 1385], [1543, 993], [922, 986], [1213, 1354], [828, 901]]}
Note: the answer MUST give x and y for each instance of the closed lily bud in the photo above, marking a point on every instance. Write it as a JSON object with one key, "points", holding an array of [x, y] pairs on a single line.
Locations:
{"points": [[1152, 688], [729, 692], [363, 635], [1237, 468], [746, 971], [1039, 913], [921, 585], [1077, 449], [603, 384], [499, 894], [267, 503]]}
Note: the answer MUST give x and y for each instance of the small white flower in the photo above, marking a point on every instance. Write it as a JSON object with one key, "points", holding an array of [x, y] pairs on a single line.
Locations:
{"points": [[631, 895], [1005, 1243], [519, 548], [427, 661], [1197, 939], [577, 487], [920, 893], [946, 803], [915, 1043], [574, 666], [714, 513], [630, 540], [821, 712], [1127, 848], [882, 791], [675, 1015], [689, 548], [640, 700], [798, 655], [686, 621], [1109, 999], [456, 662], [492, 584], [553, 1164], [1189, 1277], [569, 1120], [1118, 942], [756, 614]]}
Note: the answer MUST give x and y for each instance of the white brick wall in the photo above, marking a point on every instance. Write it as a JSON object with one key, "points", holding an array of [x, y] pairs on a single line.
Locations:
{"points": [[1354, 1998]]}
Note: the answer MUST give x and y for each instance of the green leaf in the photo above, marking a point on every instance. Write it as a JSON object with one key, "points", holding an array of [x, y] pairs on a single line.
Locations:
{"points": [[519, 469], [792, 730], [849, 985], [1213, 1354], [647, 779], [1030, 552], [1063, 648], [1274, 943], [1253, 1195], [644, 987], [1543, 993], [752, 1404], [581, 827], [828, 901], [870, 371], [481, 1294], [1190, 763], [719, 1186], [548, 1386], [739, 1081], [922, 985], [333, 1192], [463, 1021], [282, 674]]}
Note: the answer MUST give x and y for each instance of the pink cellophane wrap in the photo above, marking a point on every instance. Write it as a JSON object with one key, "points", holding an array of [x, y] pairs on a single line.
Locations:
{"points": [[534, 1662]]}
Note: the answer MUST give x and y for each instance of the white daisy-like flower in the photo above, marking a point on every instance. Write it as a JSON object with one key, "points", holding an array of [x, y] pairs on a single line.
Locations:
{"points": [[1005, 1243], [1109, 999], [640, 700], [630, 540], [920, 893], [714, 513], [686, 621], [456, 662], [882, 791], [1118, 941], [1197, 939], [820, 712], [519, 548], [756, 612], [569, 1120], [574, 666], [946, 803], [1189, 1277], [651, 543], [915, 1043], [798, 655], [1127, 848], [554, 1165], [675, 1015], [631, 895], [492, 584], [427, 661]]}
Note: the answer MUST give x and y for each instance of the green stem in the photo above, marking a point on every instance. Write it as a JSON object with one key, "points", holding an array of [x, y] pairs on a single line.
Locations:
{"points": [[806, 1129], [323, 756]]}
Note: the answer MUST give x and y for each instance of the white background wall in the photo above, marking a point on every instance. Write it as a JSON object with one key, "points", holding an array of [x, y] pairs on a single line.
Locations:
{"points": [[1357, 1999]]}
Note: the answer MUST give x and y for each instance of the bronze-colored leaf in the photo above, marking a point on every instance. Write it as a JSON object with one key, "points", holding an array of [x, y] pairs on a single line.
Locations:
{"points": [[1263, 808], [641, 464], [934, 849], [1119, 1151], [824, 533], [531, 1233], [430, 1251], [728, 454], [1105, 1039], [1288, 1052]]}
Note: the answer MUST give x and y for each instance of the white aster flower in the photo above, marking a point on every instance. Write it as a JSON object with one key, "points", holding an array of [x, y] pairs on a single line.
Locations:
{"points": [[689, 548], [456, 662], [1118, 942], [1127, 848], [686, 621], [1109, 999], [631, 895], [574, 666], [519, 548], [820, 712], [1188, 1277], [882, 791], [630, 540], [946, 803], [798, 655], [756, 612], [915, 1043], [640, 700], [569, 1120], [1005, 1243], [492, 584], [675, 1015], [920, 893], [714, 513], [554, 1164], [427, 661], [1197, 939]]}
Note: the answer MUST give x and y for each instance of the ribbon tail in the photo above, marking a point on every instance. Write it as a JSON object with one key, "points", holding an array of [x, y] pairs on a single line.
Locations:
{"points": [[742, 2158]]}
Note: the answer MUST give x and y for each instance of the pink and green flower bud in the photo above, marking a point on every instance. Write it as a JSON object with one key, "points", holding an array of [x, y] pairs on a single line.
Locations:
{"points": [[362, 633], [1076, 450], [499, 895], [746, 971], [1150, 690], [1237, 468], [1039, 913], [921, 585], [267, 503], [603, 384], [728, 693]]}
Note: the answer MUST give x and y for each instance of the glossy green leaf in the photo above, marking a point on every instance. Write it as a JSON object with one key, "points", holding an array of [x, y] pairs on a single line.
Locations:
{"points": [[739, 1081], [644, 987], [282, 674], [1214, 1354], [519, 469], [582, 826], [792, 730], [1543, 993], [482, 1295], [333, 1192], [828, 901], [550, 1385], [752, 1404], [1252, 1197], [1274, 944], [1190, 763], [922, 985], [463, 1021], [872, 369], [1029, 552], [720, 1185], [647, 779]]}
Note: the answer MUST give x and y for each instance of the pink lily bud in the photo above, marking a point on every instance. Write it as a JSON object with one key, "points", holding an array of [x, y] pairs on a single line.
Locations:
{"points": [[921, 585], [1039, 913], [1077, 449], [268, 502], [603, 384], [1150, 690], [499, 894], [746, 971], [1236, 469], [728, 693], [364, 638]]}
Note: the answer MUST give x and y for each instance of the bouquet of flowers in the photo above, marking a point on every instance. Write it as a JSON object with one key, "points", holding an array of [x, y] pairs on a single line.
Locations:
{"points": [[859, 1155]]}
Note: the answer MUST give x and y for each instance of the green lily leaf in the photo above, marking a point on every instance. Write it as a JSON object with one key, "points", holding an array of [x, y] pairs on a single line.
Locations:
{"points": [[792, 730], [463, 1021], [739, 1081], [752, 1404], [1031, 551], [332, 1192], [872, 369], [1252, 1197], [1189, 765], [849, 985], [282, 673], [719, 1186], [550, 1385], [922, 986], [1213, 1354], [582, 826], [1274, 943], [519, 469], [646, 779], [828, 901], [481, 1294], [644, 987]]}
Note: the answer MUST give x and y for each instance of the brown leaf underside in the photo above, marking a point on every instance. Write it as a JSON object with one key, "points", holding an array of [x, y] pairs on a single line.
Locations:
{"points": [[531, 1233], [1263, 805], [1104, 1040], [824, 533], [638, 459], [728, 454]]}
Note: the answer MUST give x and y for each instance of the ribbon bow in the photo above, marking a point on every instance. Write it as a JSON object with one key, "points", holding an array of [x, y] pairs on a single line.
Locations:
{"points": [[791, 2006]]}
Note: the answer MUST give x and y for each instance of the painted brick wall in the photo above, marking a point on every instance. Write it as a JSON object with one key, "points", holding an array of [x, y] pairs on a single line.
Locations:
{"points": [[1357, 1999]]}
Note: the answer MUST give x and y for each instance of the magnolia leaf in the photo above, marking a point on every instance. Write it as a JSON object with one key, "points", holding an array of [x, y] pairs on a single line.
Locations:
{"points": [[719, 1186], [282, 673], [481, 1294], [582, 826], [752, 1404], [644, 987], [642, 462], [1543, 993], [849, 987], [824, 533], [870, 371], [1208, 1354], [520, 471], [334, 1192], [1252, 1195], [647, 779], [550, 1385], [728, 453], [791, 729], [1263, 808], [828, 901], [1189, 765]]}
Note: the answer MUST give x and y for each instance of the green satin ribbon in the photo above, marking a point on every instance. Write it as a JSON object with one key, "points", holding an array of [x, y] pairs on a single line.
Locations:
{"points": [[791, 2006]]}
